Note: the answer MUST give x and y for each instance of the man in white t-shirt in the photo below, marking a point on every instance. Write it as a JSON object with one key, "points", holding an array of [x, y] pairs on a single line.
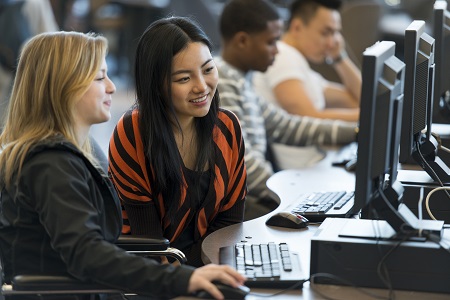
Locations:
{"points": [[313, 35]]}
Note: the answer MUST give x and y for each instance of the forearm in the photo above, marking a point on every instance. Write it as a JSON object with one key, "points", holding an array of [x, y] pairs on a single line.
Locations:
{"points": [[344, 114], [231, 216], [351, 77], [303, 131], [143, 219]]}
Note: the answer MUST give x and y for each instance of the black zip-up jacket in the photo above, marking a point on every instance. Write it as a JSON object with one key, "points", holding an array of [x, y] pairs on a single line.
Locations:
{"points": [[63, 216]]}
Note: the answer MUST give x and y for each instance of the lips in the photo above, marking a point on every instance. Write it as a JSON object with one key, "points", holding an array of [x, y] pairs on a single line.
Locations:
{"points": [[200, 99]]}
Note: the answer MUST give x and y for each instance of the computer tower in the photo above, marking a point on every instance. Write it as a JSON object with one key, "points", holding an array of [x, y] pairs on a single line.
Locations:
{"points": [[348, 249]]}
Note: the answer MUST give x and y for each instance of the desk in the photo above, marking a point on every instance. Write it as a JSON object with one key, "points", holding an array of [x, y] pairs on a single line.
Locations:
{"points": [[287, 185]]}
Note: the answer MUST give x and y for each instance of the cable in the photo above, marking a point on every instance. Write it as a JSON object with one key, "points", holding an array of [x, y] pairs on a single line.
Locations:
{"points": [[436, 177], [382, 270], [444, 148], [438, 138], [427, 200], [382, 264], [439, 141], [442, 186], [385, 279]]}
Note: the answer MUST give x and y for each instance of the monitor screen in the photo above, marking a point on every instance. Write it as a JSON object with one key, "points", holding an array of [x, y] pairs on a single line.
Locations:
{"points": [[441, 34], [419, 74]]}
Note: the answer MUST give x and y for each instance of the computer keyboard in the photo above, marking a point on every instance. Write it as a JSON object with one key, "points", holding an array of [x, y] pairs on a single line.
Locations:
{"points": [[320, 205], [270, 265]]}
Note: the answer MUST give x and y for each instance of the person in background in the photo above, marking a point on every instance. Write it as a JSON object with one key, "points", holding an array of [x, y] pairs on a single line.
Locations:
{"points": [[312, 35], [59, 212], [176, 158], [249, 31], [24, 19]]}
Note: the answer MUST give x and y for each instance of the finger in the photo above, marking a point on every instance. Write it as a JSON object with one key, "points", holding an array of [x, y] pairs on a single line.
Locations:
{"points": [[164, 260], [213, 290], [231, 277], [236, 275], [176, 263]]}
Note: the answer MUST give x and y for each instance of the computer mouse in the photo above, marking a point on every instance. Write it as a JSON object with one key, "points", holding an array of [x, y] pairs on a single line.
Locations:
{"points": [[228, 292], [287, 220], [351, 165]]}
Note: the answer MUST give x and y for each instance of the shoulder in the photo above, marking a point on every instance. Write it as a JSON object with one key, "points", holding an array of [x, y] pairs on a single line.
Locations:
{"points": [[228, 117], [52, 156], [127, 127], [126, 144], [288, 50], [229, 123], [227, 73], [57, 145], [288, 55], [128, 119]]}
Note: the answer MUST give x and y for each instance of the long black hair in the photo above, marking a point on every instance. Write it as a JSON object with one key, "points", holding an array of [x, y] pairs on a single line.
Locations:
{"points": [[159, 43]]}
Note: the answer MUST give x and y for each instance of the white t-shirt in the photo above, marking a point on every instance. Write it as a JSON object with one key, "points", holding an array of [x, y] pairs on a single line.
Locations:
{"points": [[290, 64]]}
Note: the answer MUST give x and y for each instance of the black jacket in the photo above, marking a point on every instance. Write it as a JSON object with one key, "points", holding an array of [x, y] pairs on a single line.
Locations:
{"points": [[63, 217]]}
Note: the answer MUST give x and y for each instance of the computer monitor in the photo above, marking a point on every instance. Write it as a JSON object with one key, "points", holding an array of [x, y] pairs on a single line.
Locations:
{"points": [[378, 193], [417, 145], [441, 34]]}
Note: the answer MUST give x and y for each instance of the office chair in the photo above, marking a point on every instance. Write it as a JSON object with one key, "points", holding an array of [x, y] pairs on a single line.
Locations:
{"points": [[22, 285]]}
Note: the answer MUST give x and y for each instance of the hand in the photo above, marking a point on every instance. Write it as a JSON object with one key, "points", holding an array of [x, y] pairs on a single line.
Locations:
{"points": [[202, 279], [338, 47]]}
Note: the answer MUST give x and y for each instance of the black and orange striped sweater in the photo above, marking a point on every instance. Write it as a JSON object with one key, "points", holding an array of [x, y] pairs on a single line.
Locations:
{"points": [[221, 203]]}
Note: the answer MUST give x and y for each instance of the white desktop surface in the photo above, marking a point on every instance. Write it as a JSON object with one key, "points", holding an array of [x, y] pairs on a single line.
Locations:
{"points": [[288, 184]]}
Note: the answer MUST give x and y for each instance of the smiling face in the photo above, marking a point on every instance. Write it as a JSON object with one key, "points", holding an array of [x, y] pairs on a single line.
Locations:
{"points": [[94, 106], [194, 81], [316, 38]]}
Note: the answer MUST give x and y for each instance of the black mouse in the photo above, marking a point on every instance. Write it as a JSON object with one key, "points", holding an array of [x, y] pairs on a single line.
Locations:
{"points": [[287, 220], [228, 292], [351, 165]]}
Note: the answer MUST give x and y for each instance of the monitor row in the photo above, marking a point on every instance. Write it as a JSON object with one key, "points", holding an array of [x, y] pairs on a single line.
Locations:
{"points": [[397, 102]]}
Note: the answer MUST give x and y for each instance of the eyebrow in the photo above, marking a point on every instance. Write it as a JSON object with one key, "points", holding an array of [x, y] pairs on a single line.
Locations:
{"points": [[187, 71]]}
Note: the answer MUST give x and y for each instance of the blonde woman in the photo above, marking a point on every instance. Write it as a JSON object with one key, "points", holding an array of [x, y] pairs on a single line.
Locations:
{"points": [[59, 212]]}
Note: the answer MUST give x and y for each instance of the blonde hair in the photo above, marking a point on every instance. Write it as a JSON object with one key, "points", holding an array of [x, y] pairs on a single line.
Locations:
{"points": [[55, 69]]}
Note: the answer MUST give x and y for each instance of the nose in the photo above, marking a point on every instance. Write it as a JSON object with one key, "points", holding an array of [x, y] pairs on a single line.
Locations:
{"points": [[275, 49], [200, 85], [110, 86]]}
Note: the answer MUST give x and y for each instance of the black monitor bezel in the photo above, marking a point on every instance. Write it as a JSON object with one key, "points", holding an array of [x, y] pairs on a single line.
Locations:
{"points": [[375, 163], [418, 90]]}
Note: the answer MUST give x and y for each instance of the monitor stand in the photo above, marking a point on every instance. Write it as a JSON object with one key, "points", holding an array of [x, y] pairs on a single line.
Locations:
{"points": [[381, 230], [429, 160]]}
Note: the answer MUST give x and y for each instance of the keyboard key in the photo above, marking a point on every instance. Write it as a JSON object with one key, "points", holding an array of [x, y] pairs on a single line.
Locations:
{"points": [[316, 205], [282, 269], [262, 260]]}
